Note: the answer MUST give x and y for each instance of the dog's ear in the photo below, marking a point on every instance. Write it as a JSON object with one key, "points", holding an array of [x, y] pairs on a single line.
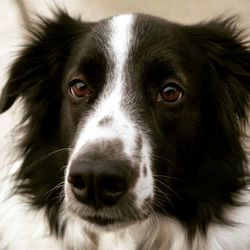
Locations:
{"points": [[226, 54], [40, 64]]}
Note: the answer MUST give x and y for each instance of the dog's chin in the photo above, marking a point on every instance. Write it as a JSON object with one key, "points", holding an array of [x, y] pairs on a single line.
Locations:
{"points": [[98, 221], [108, 224], [100, 224]]}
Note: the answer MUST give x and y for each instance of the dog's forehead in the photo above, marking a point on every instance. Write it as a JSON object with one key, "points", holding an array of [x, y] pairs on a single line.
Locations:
{"points": [[137, 33], [135, 22], [110, 38]]}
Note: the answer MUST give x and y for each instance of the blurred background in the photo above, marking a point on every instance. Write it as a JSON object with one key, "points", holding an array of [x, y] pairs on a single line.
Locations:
{"points": [[15, 16]]}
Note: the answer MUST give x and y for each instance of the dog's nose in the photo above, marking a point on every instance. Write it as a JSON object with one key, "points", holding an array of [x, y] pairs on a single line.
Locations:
{"points": [[100, 180]]}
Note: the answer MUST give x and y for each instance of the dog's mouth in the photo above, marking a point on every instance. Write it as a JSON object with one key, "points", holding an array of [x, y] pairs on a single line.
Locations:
{"points": [[108, 218], [110, 224], [102, 221]]}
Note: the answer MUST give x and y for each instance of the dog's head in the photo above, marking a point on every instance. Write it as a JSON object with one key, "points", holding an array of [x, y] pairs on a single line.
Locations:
{"points": [[150, 110]]}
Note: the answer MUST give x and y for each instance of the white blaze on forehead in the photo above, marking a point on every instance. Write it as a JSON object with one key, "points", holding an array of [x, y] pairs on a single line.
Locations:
{"points": [[109, 103], [121, 41]]}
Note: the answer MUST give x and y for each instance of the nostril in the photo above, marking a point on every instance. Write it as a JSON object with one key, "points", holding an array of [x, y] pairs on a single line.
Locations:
{"points": [[77, 181], [113, 185], [112, 189], [80, 187]]}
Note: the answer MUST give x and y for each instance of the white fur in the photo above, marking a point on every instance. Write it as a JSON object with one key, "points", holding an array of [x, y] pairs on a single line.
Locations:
{"points": [[235, 237], [144, 186], [21, 227], [76, 236]]}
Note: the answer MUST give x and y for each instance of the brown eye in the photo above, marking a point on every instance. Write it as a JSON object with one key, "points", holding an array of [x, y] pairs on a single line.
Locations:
{"points": [[79, 89], [171, 93]]}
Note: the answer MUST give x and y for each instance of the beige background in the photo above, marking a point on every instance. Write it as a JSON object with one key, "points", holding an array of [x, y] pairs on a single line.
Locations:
{"points": [[12, 27]]}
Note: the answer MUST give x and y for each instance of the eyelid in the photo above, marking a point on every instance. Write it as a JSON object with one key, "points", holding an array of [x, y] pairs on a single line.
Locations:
{"points": [[78, 77], [171, 80], [74, 74]]}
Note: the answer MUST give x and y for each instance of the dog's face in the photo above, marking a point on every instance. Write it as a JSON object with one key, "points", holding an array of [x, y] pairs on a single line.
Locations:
{"points": [[146, 107], [130, 92]]}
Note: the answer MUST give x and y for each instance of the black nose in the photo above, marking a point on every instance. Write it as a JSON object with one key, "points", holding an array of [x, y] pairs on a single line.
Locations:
{"points": [[99, 180]]}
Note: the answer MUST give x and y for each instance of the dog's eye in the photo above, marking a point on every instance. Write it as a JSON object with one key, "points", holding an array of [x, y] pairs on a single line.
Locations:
{"points": [[79, 88], [171, 93]]}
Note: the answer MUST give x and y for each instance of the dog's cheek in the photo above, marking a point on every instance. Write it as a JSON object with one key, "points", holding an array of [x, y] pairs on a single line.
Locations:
{"points": [[144, 188]]}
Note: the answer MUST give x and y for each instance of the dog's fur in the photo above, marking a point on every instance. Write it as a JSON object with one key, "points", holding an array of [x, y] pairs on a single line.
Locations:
{"points": [[188, 185]]}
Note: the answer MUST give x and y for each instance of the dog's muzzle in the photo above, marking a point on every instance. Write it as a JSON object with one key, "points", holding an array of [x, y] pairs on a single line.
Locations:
{"points": [[100, 176]]}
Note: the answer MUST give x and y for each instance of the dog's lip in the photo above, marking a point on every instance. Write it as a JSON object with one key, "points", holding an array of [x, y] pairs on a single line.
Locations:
{"points": [[102, 221]]}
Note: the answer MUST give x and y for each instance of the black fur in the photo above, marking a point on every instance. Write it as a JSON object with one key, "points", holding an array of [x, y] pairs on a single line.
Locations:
{"points": [[197, 143]]}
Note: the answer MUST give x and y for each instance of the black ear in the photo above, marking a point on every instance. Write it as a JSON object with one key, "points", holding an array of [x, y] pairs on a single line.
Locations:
{"points": [[7, 99], [226, 54], [40, 64]]}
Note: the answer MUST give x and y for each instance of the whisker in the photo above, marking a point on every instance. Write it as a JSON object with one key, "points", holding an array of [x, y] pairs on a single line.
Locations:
{"points": [[167, 177], [169, 188], [58, 186], [48, 155], [164, 158], [160, 198]]}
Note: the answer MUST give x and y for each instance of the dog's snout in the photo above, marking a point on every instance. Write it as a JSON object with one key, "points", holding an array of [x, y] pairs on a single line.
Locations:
{"points": [[99, 181]]}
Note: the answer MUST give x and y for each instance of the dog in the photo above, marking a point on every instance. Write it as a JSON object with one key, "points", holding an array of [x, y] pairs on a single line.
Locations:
{"points": [[133, 136]]}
